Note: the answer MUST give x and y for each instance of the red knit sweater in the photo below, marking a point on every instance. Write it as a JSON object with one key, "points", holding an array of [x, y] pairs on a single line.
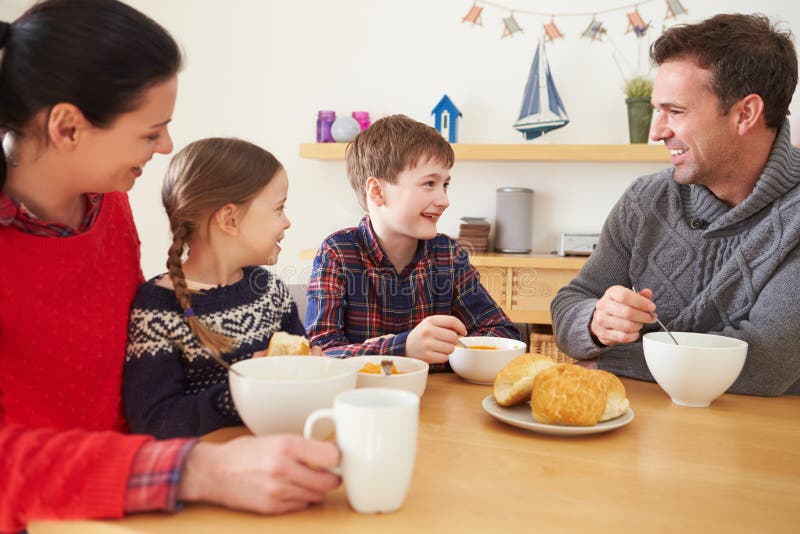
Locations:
{"points": [[63, 319]]}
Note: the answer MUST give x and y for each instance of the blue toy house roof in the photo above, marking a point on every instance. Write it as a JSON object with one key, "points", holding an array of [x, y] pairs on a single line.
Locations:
{"points": [[445, 104]]}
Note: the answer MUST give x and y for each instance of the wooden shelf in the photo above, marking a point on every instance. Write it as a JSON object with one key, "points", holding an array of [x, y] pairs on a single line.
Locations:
{"points": [[519, 152]]}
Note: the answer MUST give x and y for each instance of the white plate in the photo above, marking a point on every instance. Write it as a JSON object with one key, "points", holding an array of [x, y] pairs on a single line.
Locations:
{"points": [[520, 416]]}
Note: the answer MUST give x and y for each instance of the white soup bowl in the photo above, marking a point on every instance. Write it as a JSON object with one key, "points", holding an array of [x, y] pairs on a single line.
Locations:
{"points": [[479, 365], [412, 373], [277, 393], [697, 370]]}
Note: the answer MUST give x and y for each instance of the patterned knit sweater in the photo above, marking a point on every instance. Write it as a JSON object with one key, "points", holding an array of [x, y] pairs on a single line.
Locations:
{"points": [[171, 387], [737, 275]]}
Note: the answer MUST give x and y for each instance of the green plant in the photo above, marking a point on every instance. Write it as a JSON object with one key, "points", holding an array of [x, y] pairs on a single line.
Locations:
{"points": [[639, 87]]}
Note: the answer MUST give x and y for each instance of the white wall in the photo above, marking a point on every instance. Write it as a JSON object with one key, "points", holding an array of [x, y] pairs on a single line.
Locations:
{"points": [[260, 69]]}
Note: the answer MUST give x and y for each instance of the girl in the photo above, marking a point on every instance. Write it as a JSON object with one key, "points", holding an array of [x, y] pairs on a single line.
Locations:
{"points": [[225, 202], [78, 122]]}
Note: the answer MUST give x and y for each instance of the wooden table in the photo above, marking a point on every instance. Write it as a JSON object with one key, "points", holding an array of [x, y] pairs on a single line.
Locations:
{"points": [[732, 467]]}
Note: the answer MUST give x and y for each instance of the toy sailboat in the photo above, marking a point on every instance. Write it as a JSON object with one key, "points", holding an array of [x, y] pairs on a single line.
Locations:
{"points": [[534, 119]]}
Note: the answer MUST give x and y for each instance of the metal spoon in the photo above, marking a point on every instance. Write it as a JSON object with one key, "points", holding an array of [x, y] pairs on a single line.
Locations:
{"points": [[461, 343], [386, 365], [223, 363], [659, 322]]}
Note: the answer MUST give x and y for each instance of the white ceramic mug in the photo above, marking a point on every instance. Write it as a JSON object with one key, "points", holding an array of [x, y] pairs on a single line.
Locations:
{"points": [[376, 430]]}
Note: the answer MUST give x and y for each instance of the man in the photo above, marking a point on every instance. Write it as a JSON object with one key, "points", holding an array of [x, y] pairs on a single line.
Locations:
{"points": [[711, 243]]}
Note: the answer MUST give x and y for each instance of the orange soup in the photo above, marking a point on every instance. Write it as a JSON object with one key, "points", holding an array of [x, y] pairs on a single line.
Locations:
{"points": [[482, 347], [375, 369]]}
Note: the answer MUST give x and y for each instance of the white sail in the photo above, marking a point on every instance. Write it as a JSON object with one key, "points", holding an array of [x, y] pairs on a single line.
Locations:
{"points": [[542, 109]]}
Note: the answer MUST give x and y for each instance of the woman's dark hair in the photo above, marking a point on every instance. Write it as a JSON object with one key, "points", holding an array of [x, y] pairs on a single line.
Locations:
{"points": [[99, 55], [746, 54]]}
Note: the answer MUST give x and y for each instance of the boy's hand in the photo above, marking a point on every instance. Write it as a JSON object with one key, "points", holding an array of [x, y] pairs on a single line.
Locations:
{"points": [[434, 338]]}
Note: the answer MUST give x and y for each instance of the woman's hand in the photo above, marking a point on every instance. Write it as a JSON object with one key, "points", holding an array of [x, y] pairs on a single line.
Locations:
{"points": [[268, 475]]}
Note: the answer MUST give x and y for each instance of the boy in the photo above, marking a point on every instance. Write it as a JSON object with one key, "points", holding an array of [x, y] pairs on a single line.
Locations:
{"points": [[393, 285]]}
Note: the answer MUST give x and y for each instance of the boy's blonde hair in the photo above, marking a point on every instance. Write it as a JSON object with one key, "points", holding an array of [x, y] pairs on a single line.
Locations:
{"points": [[390, 146], [202, 178]]}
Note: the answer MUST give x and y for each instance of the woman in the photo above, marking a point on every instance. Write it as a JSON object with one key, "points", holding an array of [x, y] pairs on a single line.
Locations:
{"points": [[87, 89]]}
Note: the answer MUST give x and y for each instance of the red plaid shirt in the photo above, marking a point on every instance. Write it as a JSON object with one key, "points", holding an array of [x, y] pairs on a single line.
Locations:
{"points": [[157, 467], [14, 213], [358, 303], [156, 475]]}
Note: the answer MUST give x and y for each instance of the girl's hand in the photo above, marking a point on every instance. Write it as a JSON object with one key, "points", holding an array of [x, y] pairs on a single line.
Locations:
{"points": [[315, 351]]}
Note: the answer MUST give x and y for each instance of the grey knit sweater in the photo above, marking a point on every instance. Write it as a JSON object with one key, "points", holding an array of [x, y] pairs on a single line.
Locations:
{"points": [[739, 276]]}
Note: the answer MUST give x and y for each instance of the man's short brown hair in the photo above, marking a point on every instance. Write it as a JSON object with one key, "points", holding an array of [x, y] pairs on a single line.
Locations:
{"points": [[746, 55], [390, 146]]}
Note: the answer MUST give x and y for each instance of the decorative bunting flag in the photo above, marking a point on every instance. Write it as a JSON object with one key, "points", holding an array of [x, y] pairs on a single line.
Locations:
{"points": [[511, 26], [474, 15], [552, 32], [594, 31], [636, 24], [674, 8]]}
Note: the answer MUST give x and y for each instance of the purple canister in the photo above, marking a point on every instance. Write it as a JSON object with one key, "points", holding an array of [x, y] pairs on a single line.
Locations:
{"points": [[362, 118], [324, 120]]}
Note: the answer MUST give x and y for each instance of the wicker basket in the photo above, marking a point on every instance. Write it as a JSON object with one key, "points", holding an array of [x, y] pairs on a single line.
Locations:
{"points": [[542, 341]]}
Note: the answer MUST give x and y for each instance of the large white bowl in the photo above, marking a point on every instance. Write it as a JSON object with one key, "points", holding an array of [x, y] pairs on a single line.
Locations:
{"points": [[481, 366], [697, 370], [413, 375], [279, 392]]}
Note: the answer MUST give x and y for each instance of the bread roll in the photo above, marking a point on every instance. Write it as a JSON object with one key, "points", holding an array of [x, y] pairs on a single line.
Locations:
{"points": [[567, 394], [616, 403], [514, 382], [283, 344]]}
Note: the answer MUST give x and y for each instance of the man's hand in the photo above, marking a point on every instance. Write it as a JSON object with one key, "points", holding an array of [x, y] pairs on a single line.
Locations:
{"points": [[434, 338], [269, 475], [620, 314]]}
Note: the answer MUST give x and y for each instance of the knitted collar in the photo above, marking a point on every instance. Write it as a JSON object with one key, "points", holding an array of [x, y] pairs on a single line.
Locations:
{"points": [[780, 175]]}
